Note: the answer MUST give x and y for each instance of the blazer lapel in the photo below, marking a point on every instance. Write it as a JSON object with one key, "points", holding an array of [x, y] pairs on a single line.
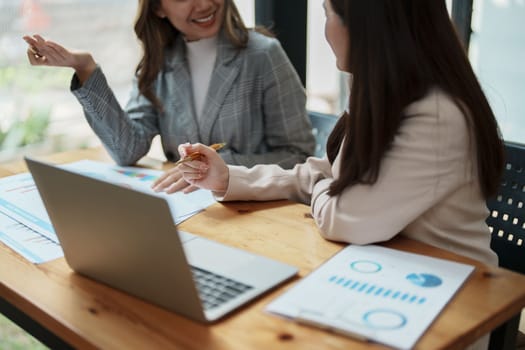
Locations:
{"points": [[227, 67], [181, 100]]}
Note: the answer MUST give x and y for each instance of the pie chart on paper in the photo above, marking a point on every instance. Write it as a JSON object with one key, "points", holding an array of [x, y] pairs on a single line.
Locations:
{"points": [[424, 279]]}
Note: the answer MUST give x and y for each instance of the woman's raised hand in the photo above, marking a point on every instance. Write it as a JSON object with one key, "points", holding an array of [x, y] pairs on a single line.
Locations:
{"points": [[43, 52]]}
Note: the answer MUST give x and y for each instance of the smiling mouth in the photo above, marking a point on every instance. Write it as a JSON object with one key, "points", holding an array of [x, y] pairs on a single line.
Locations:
{"points": [[205, 19]]}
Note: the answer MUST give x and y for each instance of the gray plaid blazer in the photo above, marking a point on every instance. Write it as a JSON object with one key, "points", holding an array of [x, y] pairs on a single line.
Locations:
{"points": [[255, 103]]}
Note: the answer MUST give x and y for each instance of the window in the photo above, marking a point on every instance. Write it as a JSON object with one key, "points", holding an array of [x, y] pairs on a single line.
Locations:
{"points": [[36, 106], [38, 114], [247, 10], [326, 86], [497, 53]]}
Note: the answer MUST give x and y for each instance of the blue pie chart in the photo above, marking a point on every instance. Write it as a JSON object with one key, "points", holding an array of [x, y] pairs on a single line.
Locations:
{"points": [[424, 279]]}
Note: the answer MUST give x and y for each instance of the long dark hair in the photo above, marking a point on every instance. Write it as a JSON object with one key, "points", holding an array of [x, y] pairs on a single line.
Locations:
{"points": [[398, 50], [156, 34]]}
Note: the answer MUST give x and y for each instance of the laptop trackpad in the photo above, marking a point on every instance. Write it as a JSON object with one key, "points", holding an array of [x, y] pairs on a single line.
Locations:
{"points": [[221, 259]]}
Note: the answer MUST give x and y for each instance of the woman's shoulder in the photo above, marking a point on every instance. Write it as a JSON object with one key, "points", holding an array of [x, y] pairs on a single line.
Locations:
{"points": [[438, 104], [263, 50], [437, 118], [261, 42]]}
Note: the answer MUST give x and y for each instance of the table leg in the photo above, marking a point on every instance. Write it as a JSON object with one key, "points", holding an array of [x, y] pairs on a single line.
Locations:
{"points": [[504, 337]]}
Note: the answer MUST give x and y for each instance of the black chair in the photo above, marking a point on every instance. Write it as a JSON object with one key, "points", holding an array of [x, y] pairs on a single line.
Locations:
{"points": [[507, 225], [322, 125], [507, 211]]}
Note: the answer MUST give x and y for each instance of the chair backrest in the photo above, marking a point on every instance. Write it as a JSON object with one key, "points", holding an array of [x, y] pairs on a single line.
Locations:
{"points": [[507, 211], [322, 125]]}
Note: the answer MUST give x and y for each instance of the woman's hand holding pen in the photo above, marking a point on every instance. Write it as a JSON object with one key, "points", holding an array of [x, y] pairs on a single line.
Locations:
{"points": [[209, 171], [43, 52]]}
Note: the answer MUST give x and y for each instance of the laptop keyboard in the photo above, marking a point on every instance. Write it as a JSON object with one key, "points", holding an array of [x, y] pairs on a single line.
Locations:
{"points": [[214, 289]]}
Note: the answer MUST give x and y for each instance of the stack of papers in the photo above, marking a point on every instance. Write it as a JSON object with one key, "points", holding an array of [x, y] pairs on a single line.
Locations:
{"points": [[374, 293], [27, 229]]}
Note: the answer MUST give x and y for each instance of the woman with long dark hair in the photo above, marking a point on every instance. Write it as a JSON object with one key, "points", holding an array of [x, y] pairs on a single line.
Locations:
{"points": [[417, 152], [203, 77]]}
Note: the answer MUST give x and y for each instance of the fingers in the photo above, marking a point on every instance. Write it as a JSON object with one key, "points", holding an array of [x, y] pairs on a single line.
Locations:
{"points": [[39, 38], [32, 40], [33, 54], [180, 177], [28, 39], [207, 171], [165, 180], [186, 149], [191, 173], [171, 184], [36, 42], [43, 52], [183, 149], [34, 57], [190, 188], [33, 50], [173, 180], [32, 44], [176, 186], [204, 150], [58, 50], [52, 57], [161, 178]]}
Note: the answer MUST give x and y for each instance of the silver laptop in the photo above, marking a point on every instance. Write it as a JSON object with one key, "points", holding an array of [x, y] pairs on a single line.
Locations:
{"points": [[126, 239]]}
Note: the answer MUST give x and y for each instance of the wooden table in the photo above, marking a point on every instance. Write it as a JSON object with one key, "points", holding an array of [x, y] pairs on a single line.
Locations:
{"points": [[61, 307]]}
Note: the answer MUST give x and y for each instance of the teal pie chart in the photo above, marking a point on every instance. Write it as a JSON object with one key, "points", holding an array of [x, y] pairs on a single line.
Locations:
{"points": [[424, 280]]}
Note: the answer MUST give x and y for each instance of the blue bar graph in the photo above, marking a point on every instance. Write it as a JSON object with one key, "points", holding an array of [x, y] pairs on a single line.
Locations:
{"points": [[375, 291]]}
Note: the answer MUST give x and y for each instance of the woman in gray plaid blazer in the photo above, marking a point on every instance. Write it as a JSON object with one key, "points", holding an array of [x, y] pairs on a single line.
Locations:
{"points": [[255, 100]]}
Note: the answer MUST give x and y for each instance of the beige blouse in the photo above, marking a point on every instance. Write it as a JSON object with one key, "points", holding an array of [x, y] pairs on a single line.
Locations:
{"points": [[427, 187]]}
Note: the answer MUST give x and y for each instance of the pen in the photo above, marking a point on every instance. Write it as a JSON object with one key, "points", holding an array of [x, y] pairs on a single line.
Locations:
{"points": [[197, 155]]}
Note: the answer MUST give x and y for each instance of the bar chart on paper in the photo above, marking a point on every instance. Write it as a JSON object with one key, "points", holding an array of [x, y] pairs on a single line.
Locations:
{"points": [[373, 290], [138, 175], [29, 243], [374, 293], [19, 199]]}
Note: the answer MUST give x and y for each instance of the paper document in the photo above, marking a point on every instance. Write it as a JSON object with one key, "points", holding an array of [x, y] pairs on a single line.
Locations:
{"points": [[20, 200], [182, 205], [374, 293], [21, 203], [30, 244]]}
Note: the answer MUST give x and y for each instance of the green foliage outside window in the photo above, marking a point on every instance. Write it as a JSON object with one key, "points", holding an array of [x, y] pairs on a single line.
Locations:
{"points": [[27, 125]]}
